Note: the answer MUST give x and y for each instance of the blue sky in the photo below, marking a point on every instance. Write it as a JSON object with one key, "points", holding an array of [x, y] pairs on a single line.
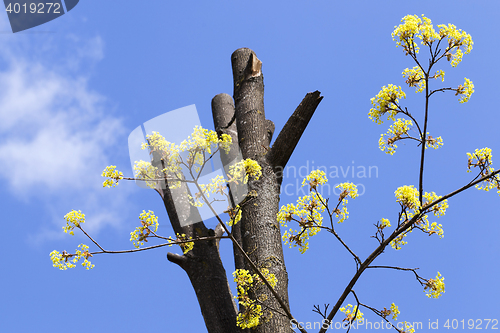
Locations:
{"points": [[73, 89]]}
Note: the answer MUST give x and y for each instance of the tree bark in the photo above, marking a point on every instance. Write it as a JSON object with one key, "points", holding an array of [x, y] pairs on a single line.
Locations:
{"points": [[202, 264], [258, 232]]}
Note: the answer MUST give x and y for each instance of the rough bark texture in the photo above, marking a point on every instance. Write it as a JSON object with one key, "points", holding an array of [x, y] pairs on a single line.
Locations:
{"points": [[225, 123], [202, 265], [292, 131], [258, 232], [261, 236]]}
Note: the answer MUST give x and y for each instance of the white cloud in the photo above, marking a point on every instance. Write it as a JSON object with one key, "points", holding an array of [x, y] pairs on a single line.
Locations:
{"points": [[53, 123], [56, 134]]}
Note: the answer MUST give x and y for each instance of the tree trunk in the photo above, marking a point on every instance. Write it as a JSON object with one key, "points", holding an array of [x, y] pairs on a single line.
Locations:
{"points": [[258, 232]]}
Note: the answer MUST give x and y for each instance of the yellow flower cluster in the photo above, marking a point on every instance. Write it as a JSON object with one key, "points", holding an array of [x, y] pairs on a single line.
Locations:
{"points": [[73, 219], [234, 215], [482, 158], [243, 169], [386, 101], [252, 313], [239, 172], [216, 185], [350, 311], [186, 247], [63, 262], [412, 26], [315, 178], [398, 242], [456, 39], [439, 209], [145, 171], [435, 287], [348, 190], [307, 212], [156, 142], [392, 310], [465, 91], [395, 311], [434, 143], [396, 131], [140, 234], [407, 196], [384, 223], [415, 78], [113, 176], [206, 140], [404, 34], [439, 74], [200, 142]]}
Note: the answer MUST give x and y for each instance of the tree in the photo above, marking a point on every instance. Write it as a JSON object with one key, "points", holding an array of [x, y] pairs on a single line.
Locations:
{"points": [[254, 213]]}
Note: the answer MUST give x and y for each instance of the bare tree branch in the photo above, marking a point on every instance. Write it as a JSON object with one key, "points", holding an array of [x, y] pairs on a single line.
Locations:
{"points": [[291, 133]]}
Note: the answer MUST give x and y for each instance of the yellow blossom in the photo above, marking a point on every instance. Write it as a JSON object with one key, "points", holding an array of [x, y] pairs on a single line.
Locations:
{"points": [[348, 190], [434, 143], [315, 178], [252, 313], [398, 242], [234, 215], [145, 171], [435, 287], [63, 260], [404, 34], [140, 234], [465, 91], [307, 213], [415, 78], [395, 311], [113, 175], [386, 101], [408, 197], [457, 40], [482, 158], [60, 260], [384, 223], [439, 209], [397, 131], [73, 219], [186, 247], [350, 312], [243, 169]]}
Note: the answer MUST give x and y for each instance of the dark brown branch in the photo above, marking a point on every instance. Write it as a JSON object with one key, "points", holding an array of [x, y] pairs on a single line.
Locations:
{"points": [[395, 234], [202, 264], [290, 135], [270, 130], [177, 259], [223, 114], [260, 232], [249, 103]]}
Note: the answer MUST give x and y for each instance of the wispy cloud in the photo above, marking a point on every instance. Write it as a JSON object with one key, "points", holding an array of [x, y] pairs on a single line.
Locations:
{"points": [[56, 132]]}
